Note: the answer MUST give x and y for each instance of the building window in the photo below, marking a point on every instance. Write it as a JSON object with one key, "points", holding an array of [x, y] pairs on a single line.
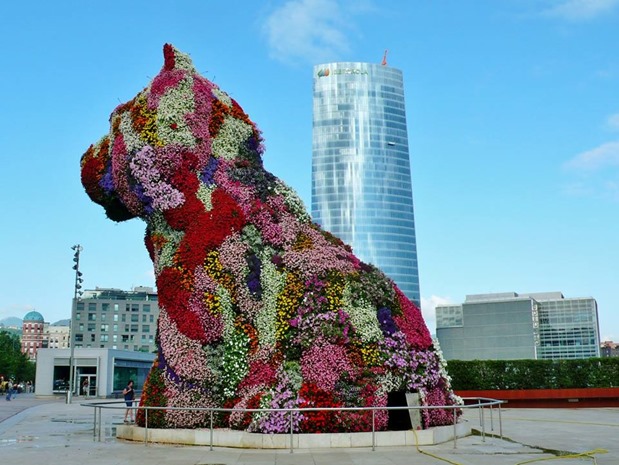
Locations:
{"points": [[92, 317], [104, 338], [103, 316], [104, 328], [79, 306], [92, 338], [123, 317], [115, 328], [81, 327], [79, 337], [105, 307], [146, 328], [135, 318], [115, 337], [78, 316], [116, 317], [134, 328], [146, 308], [115, 307], [92, 327], [92, 307]]}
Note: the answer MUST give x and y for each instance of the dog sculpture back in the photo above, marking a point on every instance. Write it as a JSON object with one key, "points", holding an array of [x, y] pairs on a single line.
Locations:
{"points": [[258, 306]]}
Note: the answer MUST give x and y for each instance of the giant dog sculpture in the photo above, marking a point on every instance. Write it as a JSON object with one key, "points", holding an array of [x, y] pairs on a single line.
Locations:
{"points": [[259, 308]]}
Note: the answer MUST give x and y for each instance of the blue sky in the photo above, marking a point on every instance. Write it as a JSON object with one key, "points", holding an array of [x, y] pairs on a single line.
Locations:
{"points": [[513, 116]]}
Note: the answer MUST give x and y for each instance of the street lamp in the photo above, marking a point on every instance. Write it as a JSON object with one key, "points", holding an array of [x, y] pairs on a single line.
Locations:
{"points": [[77, 294]]}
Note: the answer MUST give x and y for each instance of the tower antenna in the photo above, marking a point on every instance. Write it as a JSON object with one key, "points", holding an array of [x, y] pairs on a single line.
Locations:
{"points": [[384, 62]]}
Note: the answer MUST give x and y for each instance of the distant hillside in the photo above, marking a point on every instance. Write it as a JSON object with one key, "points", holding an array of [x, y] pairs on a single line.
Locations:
{"points": [[11, 321]]}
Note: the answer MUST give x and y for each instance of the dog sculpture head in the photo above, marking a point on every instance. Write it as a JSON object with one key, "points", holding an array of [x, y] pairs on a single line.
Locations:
{"points": [[180, 124], [255, 300]]}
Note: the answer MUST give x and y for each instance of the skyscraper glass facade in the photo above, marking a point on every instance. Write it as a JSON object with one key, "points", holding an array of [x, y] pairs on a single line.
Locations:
{"points": [[361, 176]]}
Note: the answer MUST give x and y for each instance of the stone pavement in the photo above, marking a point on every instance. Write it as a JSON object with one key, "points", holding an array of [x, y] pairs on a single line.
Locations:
{"points": [[36, 431]]}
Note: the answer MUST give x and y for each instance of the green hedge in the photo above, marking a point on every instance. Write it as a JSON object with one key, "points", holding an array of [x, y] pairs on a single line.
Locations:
{"points": [[533, 374]]}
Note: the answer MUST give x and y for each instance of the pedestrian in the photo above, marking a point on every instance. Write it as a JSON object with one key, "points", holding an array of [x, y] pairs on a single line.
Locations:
{"points": [[9, 390], [129, 395], [85, 387]]}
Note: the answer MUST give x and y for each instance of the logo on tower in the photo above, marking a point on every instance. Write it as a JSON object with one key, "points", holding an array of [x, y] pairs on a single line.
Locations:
{"points": [[323, 72]]}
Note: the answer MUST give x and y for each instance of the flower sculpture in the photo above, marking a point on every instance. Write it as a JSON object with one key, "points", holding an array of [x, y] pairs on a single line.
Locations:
{"points": [[259, 307]]}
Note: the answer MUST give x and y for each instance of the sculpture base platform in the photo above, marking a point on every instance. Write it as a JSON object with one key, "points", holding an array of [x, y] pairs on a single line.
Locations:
{"points": [[245, 440]]}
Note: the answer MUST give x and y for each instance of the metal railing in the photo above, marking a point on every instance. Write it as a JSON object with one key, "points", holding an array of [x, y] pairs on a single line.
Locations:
{"points": [[480, 403]]}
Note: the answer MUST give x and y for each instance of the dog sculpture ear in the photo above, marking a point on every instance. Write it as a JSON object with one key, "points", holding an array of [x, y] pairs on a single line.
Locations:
{"points": [[98, 183]]}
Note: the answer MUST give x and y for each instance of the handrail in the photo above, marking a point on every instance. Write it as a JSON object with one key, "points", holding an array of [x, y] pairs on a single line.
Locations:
{"points": [[476, 402]]}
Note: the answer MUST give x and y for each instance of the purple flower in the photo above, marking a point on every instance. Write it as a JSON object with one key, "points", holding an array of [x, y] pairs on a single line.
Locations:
{"points": [[208, 174], [387, 325]]}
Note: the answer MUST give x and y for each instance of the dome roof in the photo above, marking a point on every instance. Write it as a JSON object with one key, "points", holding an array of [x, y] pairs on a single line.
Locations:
{"points": [[34, 316]]}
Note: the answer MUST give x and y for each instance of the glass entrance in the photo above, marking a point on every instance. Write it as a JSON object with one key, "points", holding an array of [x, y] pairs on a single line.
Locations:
{"points": [[88, 385]]}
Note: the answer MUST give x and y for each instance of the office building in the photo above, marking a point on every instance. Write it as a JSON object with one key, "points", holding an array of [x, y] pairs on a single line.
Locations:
{"points": [[361, 175], [116, 319], [56, 335], [507, 326]]}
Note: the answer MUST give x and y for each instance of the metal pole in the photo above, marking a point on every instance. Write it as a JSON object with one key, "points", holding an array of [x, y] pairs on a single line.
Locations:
{"points": [[500, 423], [455, 427], [146, 426], [76, 292], [94, 424], [373, 430], [211, 430], [291, 431], [491, 418], [483, 425], [100, 415]]}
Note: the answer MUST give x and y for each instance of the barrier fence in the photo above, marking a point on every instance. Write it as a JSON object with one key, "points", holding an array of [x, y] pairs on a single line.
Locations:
{"points": [[480, 403]]}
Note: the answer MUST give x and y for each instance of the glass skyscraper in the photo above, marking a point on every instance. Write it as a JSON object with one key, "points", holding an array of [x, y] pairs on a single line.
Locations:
{"points": [[361, 176]]}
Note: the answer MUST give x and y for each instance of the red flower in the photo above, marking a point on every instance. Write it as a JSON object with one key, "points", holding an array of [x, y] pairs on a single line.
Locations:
{"points": [[411, 323], [175, 300], [169, 58], [324, 421]]}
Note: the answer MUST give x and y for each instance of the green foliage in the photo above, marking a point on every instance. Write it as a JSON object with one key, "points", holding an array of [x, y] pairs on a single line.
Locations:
{"points": [[14, 364], [533, 374]]}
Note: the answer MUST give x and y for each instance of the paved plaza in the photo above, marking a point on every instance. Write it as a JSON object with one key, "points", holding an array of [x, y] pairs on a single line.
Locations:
{"points": [[40, 431]]}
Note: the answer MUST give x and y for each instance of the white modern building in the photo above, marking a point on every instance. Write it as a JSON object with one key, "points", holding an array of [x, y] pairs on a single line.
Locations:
{"points": [[105, 372], [508, 326]]}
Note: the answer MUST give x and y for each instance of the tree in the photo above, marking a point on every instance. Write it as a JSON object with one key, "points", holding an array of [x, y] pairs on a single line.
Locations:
{"points": [[13, 364]]}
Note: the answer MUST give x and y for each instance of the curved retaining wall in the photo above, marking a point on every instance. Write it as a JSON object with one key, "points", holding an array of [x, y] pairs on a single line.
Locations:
{"points": [[243, 439]]}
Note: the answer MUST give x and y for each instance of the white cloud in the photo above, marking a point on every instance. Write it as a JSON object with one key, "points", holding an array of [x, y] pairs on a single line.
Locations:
{"points": [[613, 121], [428, 310], [578, 10], [600, 157], [312, 31]]}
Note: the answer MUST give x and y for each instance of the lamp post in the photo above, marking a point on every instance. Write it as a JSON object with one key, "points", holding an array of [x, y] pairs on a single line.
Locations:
{"points": [[77, 293]]}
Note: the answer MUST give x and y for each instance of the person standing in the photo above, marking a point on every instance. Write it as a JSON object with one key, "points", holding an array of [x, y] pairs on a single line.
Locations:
{"points": [[9, 389], [129, 395], [85, 387]]}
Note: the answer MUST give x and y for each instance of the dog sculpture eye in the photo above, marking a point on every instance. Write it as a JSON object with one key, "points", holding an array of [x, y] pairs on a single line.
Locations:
{"points": [[259, 307]]}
